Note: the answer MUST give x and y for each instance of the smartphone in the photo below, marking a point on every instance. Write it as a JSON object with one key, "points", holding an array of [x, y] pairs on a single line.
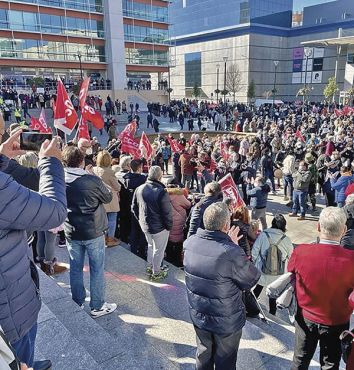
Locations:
{"points": [[33, 140]]}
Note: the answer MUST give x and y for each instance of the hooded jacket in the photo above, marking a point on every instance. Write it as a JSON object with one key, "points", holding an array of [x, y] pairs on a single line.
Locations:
{"points": [[86, 194], [217, 271], [22, 209]]}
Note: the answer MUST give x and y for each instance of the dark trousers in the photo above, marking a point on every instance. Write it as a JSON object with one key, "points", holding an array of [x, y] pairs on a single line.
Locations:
{"points": [[24, 348], [174, 253], [215, 351], [138, 243], [307, 335], [272, 301]]}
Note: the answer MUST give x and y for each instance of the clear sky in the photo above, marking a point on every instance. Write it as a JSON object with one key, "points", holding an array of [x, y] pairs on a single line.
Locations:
{"points": [[300, 4]]}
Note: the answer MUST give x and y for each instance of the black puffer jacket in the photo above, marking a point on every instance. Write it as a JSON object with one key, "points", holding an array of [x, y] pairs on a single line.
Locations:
{"points": [[152, 207], [86, 194], [348, 239], [217, 271]]}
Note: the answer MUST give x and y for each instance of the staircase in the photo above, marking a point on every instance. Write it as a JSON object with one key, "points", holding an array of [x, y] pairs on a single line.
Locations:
{"points": [[151, 328]]}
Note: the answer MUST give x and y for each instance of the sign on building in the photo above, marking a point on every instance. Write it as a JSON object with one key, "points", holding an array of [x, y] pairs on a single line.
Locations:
{"points": [[310, 73]]}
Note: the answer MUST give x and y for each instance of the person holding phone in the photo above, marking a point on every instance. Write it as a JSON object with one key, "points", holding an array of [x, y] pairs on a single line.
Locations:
{"points": [[44, 210]]}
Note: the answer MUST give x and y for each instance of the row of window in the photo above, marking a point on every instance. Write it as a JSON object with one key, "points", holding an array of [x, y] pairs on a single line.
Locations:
{"points": [[25, 21], [85, 5], [145, 11], [145, 34], [50, 50], [147, 57]]}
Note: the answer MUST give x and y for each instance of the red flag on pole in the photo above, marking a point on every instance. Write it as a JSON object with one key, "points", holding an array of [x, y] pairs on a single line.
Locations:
{"points": [[43, 121], [37, 125], [176, 147], [90, 114], [129, 145], [298, 134], [65, 116], [129, 129], [223, 151], [145, 147], [229, 189], [83, 132], [338, 112], [83, 92]]}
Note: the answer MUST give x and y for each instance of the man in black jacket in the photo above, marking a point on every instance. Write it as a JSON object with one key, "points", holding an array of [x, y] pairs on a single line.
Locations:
{"points": [[217, 271], [85, 229], [152, 208]]}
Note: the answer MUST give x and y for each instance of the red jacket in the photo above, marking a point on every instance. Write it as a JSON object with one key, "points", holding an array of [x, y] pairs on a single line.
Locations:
{"points": [[324, 281]]}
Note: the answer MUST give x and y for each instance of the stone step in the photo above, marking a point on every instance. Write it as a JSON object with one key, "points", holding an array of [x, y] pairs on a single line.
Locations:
{"points": [[151, 328]]}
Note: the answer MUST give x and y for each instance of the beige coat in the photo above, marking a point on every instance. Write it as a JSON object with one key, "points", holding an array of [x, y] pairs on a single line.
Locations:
{"points": [[108, 177]]}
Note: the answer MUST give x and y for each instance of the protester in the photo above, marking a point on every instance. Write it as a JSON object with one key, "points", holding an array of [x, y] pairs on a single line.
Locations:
{"points": [[152, 208], [270, 254], [324, 275], [22, 209], [217, 271], [105, 172], [348, 238], [85, 230]]}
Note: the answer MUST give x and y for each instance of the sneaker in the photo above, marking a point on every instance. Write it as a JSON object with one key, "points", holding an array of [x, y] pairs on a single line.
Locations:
{"points": [[149, 270], [106, 309], [292, 215], [165, 268], [160, 276]]}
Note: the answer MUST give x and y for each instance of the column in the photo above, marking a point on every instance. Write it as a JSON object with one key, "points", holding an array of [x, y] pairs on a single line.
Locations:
{"points": [[115, 49]]}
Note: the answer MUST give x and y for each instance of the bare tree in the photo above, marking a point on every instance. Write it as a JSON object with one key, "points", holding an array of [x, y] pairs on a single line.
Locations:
{"points": [[233, 80]]}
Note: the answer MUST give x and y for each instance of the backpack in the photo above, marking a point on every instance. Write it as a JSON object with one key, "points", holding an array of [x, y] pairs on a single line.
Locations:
{"points": [[273, 264]]}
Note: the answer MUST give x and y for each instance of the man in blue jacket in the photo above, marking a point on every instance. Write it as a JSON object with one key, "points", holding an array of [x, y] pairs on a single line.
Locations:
{"points": [[217, 271], [22, 209]]}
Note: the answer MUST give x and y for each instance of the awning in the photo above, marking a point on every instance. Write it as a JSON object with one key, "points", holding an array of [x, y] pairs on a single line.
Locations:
{"points": [[337, 41]]}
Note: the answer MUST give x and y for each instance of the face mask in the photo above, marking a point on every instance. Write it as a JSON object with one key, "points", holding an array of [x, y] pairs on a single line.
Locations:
{"points": [[89, 151]]}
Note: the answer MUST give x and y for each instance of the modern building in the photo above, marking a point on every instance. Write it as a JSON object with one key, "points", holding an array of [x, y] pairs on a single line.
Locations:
{"points": [[111, 39], [256, 38]]}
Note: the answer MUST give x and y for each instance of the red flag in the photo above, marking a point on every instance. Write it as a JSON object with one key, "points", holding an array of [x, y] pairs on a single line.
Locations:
{"points": [[83, 132], [90, 114], [346, 111], [298, 134], [175, 145], [338, 112], [36, 125], [83, 92], [223, 151], [43, 121], [129, 129], [212, 165], [229, 189], [129, 145], [65, 116], [145, 146]]}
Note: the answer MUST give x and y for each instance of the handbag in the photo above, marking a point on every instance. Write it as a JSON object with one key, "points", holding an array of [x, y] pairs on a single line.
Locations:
{"points": [[347, 344]]}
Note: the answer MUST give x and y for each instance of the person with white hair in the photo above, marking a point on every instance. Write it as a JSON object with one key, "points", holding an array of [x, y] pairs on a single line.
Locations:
{"points": [[324, 280], [152, 207]]}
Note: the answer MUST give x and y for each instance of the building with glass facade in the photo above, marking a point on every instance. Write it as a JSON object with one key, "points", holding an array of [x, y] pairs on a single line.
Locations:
{"points": [[114, 39], [258, 38]]}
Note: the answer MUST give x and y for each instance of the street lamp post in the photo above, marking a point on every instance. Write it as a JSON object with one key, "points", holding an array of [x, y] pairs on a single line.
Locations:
{"points": [[217, 82], [80, 56], [276, 63], [169, 83], [307, 52], [225, 61]]}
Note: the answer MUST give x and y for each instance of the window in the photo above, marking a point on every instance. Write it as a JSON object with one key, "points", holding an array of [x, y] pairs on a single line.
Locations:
{"points": [[193, 69]]}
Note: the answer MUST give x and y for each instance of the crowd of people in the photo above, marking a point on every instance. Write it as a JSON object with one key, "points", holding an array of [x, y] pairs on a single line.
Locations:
{"points": [[172, 208]]}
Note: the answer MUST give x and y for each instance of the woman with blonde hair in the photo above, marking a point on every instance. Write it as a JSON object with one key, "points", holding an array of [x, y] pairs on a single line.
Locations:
{"points": [[29, 160], [104, 171]]}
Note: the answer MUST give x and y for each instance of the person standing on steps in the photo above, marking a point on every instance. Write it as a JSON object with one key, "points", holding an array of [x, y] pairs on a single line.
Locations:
{"points": [[152, 208], [217, 271], [85, 229], [324, 281]]}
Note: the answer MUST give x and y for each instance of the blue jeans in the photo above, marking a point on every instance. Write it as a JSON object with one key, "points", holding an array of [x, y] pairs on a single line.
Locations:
{"points": [[288, 182], [95, 249], [299, 199], [112, 223], [24, 348]]}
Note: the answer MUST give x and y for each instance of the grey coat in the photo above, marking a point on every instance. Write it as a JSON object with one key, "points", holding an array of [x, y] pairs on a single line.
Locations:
{"points": [[22, 209]]}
